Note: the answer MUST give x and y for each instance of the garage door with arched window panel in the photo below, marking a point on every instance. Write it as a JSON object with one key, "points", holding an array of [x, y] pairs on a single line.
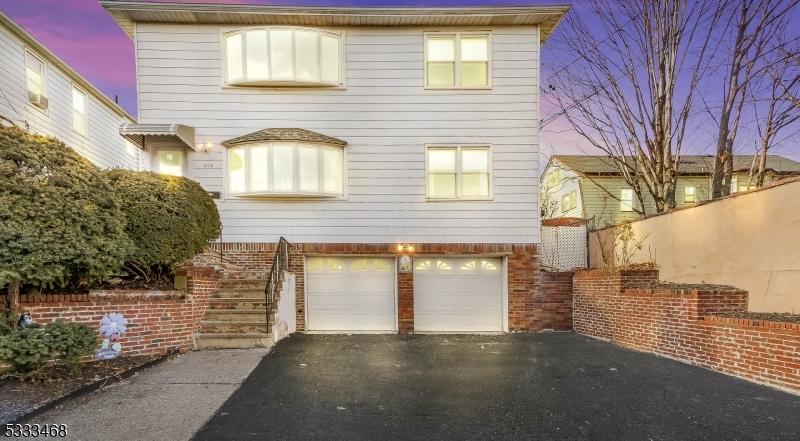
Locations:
{"points": [[458, 294], [350, 294]]}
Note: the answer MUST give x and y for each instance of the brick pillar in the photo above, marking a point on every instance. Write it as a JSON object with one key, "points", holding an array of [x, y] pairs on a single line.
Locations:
{"points": [[405, 301]]}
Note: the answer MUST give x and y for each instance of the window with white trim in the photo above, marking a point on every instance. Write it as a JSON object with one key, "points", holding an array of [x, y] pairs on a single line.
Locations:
{"points": [[689, 195], [458, 172], [34, 80], [457, 61], [80, 122], [286, 169], [283, 56], [626, 199]]}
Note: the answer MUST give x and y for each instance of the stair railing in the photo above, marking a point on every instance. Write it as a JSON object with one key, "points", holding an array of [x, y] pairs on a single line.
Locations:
{"points": [[280, 263]]}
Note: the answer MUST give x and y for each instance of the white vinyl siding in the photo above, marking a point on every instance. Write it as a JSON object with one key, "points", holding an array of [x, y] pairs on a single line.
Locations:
{"points": [[103, 145], [386, 116]]}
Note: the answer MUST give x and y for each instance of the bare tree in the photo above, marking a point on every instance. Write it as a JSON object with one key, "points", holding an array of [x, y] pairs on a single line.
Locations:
{"points": [[632, 96], [753, 25], [780, 107]]}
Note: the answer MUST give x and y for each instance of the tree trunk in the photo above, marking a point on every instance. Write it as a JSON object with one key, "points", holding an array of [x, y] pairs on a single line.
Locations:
{"points": [[762, 166], [12, 297]]}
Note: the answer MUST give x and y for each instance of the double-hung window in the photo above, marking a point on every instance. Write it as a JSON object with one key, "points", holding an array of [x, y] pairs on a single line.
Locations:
{"points": [[286, 169], [458, 172], [283, 56], [626, 199], [457, 61], [34, 79], [80, 121]]}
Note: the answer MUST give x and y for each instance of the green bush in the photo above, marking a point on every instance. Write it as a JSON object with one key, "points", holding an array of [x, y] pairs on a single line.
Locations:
{"points": [[169, 219], [69, 341], [59, 219], [26, 349]]}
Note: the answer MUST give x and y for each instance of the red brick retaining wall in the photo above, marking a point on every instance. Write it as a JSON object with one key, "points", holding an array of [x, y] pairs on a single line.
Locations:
{"points": [[158, 321], [684, 324], [555, 298]]}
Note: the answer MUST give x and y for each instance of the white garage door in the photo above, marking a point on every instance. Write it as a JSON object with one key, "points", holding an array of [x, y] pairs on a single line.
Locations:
{"points": [[458, 295], [350, 294]]}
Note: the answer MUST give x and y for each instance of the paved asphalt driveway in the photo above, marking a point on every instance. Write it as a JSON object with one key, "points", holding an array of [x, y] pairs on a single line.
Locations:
{"points": [[519, 386]]}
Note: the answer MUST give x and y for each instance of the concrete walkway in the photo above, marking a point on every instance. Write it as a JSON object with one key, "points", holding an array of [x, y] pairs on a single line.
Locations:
{"points": [[171, 401]]}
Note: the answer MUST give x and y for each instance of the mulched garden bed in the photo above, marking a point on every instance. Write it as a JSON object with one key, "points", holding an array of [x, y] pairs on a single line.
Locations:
{"points": [[20, 398], [766, 316]]}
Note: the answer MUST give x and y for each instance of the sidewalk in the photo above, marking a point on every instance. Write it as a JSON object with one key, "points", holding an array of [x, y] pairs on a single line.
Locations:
{"points": [[168, 402]]}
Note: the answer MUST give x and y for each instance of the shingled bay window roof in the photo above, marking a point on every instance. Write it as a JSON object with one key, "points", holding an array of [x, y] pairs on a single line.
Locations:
{"points": [[285, 135]]}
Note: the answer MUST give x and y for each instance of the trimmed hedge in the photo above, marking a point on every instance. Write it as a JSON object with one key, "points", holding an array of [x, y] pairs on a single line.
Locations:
{"points": [[59, 219], [169, 219]]}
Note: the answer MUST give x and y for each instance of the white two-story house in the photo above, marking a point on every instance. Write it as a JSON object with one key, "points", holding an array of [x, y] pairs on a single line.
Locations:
{"points": [[396, 149], [44, 95]]}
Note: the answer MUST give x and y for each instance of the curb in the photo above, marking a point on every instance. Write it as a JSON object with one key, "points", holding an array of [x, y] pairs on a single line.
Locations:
{"points": [[91, 387]]}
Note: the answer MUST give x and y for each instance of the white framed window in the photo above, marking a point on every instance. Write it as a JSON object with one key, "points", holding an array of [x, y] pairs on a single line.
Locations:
{"points": [[283, 56], [458, 60], [689, 195], [569, 201], [35, 81], [458, 172], [170, 162], [286, 169], [80, 120], [626, 199]]}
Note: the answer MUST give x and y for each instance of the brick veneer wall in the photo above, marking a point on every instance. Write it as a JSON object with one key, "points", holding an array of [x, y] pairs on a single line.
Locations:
{"points": [[555, 298], [627, 309], [158, 321], [528, 310]]}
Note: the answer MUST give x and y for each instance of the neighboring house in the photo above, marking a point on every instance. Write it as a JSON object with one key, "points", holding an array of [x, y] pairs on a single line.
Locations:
{"points": [[590, 187], [42, 94], [359, 135]]}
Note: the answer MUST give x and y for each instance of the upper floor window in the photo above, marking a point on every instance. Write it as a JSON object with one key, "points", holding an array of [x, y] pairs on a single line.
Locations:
{"points": [[626, 199], [457, 61], [34, 78], [283, 56], [458, 172], [285, 169], [569, 201], [79, 104]]}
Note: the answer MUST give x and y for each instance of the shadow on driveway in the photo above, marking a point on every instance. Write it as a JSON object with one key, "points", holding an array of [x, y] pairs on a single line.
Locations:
{"points": [[518, 386]]}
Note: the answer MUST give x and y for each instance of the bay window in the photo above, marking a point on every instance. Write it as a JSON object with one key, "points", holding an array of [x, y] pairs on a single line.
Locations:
{"points": [[458, 172], [285, 169], [283, 56], [454, 61]]}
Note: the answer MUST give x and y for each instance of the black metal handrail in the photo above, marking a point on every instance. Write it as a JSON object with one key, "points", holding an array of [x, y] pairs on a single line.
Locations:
{"points": [[280, 263]]}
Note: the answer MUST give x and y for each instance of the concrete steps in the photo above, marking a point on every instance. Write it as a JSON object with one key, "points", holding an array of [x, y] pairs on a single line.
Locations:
{"points": [[237, 315], [233, 340]]}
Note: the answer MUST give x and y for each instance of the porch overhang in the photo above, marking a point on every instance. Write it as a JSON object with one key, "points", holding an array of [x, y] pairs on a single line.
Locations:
{"points": [[137, 133]]}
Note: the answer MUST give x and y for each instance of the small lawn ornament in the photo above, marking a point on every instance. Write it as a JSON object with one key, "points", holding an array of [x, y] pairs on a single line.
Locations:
{"points": [[112, 326], [25, 320]]}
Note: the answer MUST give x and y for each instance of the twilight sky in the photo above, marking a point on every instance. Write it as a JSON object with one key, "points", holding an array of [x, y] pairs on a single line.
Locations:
{"points": [[87, 38]]}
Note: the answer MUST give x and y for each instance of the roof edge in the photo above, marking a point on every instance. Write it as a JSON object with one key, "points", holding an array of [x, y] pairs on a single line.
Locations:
{"points": [[117, 9], [30, 40]]}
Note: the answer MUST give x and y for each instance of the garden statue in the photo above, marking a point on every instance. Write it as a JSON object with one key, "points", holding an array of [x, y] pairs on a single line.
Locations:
{"points": [[112, 326], [25, 320]]}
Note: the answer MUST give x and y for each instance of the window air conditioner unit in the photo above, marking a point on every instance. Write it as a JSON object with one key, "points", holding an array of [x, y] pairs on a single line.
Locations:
{"points": [[37, 100]]}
